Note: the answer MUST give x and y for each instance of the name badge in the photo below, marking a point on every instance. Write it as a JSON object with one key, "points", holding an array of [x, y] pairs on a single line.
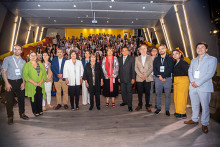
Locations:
{"points": [[196, 74], [17, 72], [113, 80], [162, 68]]}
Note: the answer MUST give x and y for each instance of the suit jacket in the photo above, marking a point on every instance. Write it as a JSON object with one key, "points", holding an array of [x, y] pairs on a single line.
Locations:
{"points": [[55, 68], [147, 69], [207, 70], [126, 71], [98, 76]]}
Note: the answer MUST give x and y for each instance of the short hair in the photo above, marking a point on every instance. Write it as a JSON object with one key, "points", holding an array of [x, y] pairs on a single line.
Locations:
{"points": [[59, 49], [125, 47], [162, 45], [77, 55], [32, 52], [154, 48], [87, 51], [93, 54], [143, 45], [202, 43], [18, 46]]}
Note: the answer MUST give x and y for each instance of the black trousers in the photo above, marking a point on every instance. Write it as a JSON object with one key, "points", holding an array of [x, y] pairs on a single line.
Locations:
{"points": [[141, 88], [16, 89], [126, 92], [37, 104], [97, 97], [74, 93]]}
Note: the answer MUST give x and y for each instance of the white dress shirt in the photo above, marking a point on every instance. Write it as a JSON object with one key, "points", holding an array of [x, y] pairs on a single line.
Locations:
{"points": [[73, 72], [60, 62], [143, 59]]}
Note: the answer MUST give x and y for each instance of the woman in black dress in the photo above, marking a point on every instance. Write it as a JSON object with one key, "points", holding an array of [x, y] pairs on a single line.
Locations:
{"points": [[110, 68]]}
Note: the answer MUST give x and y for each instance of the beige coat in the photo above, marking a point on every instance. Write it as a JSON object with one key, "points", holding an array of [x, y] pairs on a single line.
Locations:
{"points": [[147, 69], [49, 73]]}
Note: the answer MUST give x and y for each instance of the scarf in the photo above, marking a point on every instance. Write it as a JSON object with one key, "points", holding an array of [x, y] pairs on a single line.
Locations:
{"points": [[109, 71]]}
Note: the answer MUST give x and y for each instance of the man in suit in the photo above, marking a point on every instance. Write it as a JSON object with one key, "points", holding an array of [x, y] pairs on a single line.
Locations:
{"points": [[57, 65], [126, 77], [143, 69], [200, 72]]}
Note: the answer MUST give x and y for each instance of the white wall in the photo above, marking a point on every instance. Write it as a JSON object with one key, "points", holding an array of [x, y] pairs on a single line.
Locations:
{"points": [[53, 32]]}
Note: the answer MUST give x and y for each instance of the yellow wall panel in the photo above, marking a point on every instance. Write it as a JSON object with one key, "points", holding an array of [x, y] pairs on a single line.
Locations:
{"points": [[69, 32]]}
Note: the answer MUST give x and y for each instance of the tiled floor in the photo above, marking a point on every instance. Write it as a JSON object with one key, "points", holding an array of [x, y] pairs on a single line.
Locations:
{"points": [[113, 127]]}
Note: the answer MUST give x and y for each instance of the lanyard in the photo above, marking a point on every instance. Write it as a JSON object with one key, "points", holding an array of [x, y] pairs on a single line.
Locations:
{"points": [[16, 63], [162, 61]]}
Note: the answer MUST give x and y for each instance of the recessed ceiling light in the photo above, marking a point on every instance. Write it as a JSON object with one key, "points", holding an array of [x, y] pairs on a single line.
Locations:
{"points": [[87, 15], [38, 5], [151, 2], [48, 17], [78, 17], [74, 6], [55, 20], [110, 6], [112, 0], [132, 22], [81, 20], [136, 18], [107, 21], [108, 18], [143, 7]]}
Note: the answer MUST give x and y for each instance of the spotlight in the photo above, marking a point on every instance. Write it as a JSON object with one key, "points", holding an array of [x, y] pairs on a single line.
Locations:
{"points": [[38, 5], [110, 6], [143, 7], [74, 6]]}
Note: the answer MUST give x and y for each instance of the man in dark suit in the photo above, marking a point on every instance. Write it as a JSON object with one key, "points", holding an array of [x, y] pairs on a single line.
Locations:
{"points": [[126, 77], [57, 65]]}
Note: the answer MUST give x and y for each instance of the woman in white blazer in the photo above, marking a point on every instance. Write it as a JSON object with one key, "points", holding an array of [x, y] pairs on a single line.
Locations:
{"points": [[73, 73]]}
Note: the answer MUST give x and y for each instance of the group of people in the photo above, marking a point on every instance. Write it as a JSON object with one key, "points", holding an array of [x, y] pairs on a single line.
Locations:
{"points": [[155, 67]]}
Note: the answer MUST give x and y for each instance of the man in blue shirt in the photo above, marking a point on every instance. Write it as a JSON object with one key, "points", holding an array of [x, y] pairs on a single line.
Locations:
{"points": [[14, 83]]}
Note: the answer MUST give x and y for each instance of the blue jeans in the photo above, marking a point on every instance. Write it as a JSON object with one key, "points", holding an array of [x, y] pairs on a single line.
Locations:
{"points": [[198, 97], [159, 86]]}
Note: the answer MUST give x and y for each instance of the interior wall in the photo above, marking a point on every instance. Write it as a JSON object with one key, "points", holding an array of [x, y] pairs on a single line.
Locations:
{"points": [[160, 34], [7, 33], [200, 25], [69, 32], [53, 32], [3, 12], [23, 32], [198, 17]]}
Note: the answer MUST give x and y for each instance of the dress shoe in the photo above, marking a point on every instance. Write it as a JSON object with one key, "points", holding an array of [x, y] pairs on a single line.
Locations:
{"points": [[130, 109], [138, 108], [167, 113], [10, 121], [176, 114], [90, 108], [44, 108], [205, 129], [65, 106], [157, 111], [98, 108], [123, 104], [148, 109], [58, 107], [23, 116], [191, 122]]}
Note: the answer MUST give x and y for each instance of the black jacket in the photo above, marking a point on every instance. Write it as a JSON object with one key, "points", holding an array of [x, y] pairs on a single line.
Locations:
{"points": [[181, 68], [98, 76], [168, 63], [127, 70]]}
